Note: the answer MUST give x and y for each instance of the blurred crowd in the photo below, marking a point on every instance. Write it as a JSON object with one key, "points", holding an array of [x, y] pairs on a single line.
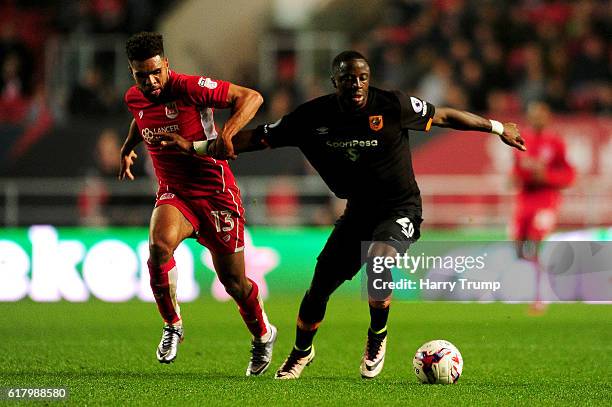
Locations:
{"points": [[478, 55], [486, 55], [497, 55]]}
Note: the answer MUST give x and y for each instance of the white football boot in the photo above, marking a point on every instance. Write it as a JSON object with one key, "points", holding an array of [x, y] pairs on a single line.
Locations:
{"points": [[374, 355], [261, 354], [168, 346], [293, 366]]}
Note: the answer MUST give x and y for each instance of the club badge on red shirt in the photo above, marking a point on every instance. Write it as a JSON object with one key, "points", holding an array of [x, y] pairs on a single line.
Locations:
{"points": [[172, 111]]}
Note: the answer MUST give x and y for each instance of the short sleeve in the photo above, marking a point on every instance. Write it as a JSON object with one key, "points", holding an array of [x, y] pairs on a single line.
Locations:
{"points": [[284, 132], [204, 91], [416, 114]]}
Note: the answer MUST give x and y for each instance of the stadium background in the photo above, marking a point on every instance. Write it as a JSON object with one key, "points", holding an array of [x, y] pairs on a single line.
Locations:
{"points": [[63, 74]]}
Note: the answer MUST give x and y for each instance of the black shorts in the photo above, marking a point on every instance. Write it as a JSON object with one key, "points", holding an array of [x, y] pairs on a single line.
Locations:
{"points": [[341, 258]]}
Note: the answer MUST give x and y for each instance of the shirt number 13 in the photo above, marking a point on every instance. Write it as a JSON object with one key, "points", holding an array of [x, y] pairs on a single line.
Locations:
{"points": [[226, 218]]}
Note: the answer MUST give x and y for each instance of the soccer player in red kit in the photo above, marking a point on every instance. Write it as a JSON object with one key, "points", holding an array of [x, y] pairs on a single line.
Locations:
{"points": [[540, 172], [197, 196]]}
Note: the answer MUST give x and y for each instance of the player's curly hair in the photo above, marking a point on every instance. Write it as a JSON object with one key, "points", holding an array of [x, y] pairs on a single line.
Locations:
{"points": [[345, 56], [144, 45]]}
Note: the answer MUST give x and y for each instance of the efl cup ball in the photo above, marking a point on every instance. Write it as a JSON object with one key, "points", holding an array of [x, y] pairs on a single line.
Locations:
{"points": [[438, 362]]}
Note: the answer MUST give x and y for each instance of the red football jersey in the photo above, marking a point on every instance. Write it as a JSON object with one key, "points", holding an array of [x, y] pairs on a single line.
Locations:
{"points": [[186, 107], [548, 149]]}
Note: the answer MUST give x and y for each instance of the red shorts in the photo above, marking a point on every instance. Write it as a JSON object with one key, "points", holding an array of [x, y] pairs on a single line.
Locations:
{"points": [[535, 223], [218, 220]]}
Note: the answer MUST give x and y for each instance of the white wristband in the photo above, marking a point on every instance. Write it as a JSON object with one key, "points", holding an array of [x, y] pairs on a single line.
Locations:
{"points": [[497, 127], [200, 147]]}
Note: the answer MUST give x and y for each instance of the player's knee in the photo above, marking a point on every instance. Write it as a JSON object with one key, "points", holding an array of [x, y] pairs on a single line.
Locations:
{"points": [[234, 291], [160, 252], [235, 287], [317, 295], [312, 310], [380, 303], [381, 249]]}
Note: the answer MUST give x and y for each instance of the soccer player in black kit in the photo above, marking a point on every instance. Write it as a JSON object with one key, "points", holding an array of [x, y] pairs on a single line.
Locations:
{"points": [[357, 139]]}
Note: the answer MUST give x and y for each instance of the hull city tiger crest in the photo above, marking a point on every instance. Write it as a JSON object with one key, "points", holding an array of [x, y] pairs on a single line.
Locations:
{"points": [[376, 122], [172, 111]]}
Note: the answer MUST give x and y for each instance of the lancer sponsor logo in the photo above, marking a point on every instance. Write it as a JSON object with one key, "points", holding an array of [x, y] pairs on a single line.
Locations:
{"points": [[149, 134], [172, 111], [376, 122]]}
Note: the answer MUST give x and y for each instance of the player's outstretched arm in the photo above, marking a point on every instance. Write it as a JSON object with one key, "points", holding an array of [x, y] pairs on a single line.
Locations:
{"points": [[461, 120], [243, 141], [245, 102], [127, 156]]}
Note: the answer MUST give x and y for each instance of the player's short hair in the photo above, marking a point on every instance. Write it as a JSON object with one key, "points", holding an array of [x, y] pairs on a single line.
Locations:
{"points": [[345, 56], [144, 45]]}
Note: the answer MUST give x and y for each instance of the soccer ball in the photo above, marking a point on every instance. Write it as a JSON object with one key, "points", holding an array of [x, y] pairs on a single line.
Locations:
{"points": [[438, 362]]}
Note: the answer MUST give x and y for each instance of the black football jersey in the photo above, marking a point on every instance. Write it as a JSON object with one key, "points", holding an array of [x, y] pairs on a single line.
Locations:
{"points": [[363, 155]]}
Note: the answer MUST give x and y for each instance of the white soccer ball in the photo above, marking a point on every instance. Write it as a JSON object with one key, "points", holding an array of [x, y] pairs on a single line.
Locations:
{"points": [[438, 362]]}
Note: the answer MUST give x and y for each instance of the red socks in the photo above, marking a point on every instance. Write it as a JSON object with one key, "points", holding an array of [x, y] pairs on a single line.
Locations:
{"points": [[252, 313], [163, 284]]}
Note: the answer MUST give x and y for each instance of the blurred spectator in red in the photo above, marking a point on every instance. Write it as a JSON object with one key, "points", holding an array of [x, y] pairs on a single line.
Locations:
{"points": [[14, 102], [540, 172], [16, 73], [12, 47]]}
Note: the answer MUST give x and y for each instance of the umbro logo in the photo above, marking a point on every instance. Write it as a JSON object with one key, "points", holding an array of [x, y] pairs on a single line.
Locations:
{"points": [[322, 131], [140, 114]]}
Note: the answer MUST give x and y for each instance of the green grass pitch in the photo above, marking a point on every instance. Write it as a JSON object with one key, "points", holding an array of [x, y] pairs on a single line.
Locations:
{"points": [[104, 354]]}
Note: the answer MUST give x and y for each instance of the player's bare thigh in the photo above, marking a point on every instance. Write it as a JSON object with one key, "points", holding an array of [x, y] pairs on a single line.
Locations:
{"points": [[231, 272], [168, 229]]}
